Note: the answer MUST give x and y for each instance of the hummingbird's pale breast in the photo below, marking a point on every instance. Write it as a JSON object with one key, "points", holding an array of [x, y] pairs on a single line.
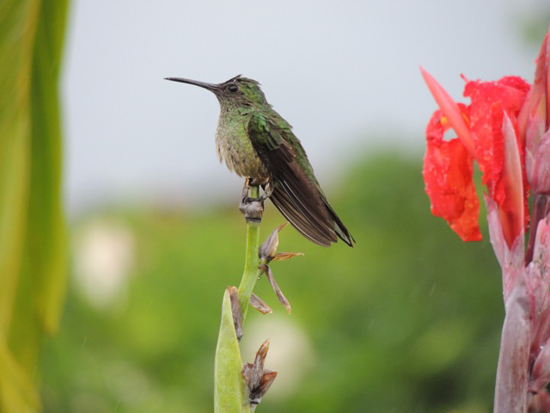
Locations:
{"points": [[234, 147]]}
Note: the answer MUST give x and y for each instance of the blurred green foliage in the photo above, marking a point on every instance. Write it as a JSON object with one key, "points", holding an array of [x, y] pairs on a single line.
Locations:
{"points": [[408, 320], [32, 228]]}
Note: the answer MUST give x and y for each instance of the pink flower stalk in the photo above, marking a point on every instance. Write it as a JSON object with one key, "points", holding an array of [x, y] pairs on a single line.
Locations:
{"points": [[533, 123], [505, 130]]}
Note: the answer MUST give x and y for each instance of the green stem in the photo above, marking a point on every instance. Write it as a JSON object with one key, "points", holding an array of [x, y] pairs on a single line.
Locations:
{"points": [[252, 261]]}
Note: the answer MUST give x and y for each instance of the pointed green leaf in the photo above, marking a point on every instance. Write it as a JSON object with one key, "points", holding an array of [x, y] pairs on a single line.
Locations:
{"points": [[229, 387], [46, 235]]}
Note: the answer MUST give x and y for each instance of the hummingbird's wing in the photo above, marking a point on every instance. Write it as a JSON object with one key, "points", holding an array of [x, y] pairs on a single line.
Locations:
{"points": [[296, 192]]}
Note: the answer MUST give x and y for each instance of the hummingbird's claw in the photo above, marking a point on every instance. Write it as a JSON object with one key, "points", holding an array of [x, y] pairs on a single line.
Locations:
{"points": [[258, 181], [268, 190], [267, 187]]}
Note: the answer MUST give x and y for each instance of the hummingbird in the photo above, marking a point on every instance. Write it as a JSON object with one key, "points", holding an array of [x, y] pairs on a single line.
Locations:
{"points": [[256, 143]]}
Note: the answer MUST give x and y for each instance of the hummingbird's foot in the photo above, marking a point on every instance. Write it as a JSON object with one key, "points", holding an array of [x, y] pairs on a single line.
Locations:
{"points": [[246, 188], [265, 183], [267, 190], [258, 181], [251, 208]]}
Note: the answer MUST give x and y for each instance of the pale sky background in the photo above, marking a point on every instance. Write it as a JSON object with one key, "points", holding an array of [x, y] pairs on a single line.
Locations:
{"points": [[343, 73]]}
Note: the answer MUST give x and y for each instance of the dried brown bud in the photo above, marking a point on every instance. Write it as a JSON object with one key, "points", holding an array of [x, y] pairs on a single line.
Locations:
{"points": [[269, 247], [236, 310], [267, 253], [283, 256], [259, 304], [275, 286], [258, 380]]}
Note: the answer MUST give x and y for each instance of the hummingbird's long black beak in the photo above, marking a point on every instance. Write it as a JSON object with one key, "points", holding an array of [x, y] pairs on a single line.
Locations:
{"points": [[209, 86]]}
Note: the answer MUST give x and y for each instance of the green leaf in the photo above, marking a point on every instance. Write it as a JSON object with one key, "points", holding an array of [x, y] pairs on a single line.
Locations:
{"points": [[229, 386], [19, 391], [16, 46], [32, 227], [46, 235]]}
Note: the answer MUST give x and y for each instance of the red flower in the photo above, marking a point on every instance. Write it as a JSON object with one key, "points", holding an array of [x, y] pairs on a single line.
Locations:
{"points": [[448, 170], [487, 133]]}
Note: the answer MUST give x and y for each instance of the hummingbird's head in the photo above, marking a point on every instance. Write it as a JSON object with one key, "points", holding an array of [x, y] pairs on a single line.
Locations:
{"points": [[237, 92]]}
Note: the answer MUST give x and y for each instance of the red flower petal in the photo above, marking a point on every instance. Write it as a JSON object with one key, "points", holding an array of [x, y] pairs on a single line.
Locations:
{"points": [[448, 169], [452, 111], [489, 99], [510, 185]]}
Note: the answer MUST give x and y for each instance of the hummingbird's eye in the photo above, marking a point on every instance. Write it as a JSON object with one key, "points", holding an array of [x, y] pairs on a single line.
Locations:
{"points": [[233, 88]]}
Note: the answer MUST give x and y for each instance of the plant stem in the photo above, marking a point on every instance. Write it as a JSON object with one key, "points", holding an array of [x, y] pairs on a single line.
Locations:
{"points": [[252, 262]]}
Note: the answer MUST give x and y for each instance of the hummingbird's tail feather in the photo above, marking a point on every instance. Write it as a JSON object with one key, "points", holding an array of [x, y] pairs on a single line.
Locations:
{"points": [[311, 215], [300, 219], [339, 226]]}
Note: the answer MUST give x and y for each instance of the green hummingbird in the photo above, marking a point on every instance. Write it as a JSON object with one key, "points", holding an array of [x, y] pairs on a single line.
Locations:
{"points": [[258, 144]]}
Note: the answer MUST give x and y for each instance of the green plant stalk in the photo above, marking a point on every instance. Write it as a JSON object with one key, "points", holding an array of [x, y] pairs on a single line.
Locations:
{"points": [[230, 394], [252, 261]]}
